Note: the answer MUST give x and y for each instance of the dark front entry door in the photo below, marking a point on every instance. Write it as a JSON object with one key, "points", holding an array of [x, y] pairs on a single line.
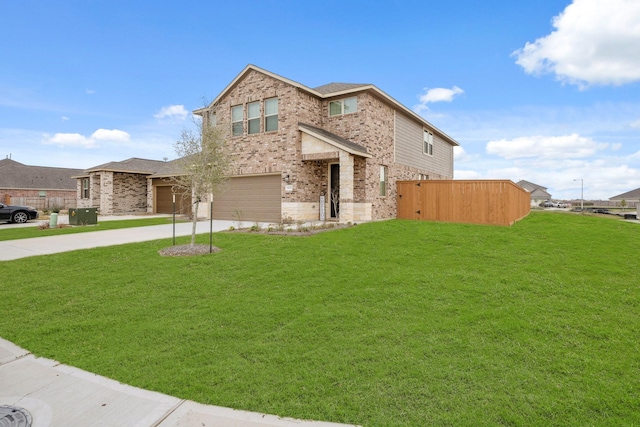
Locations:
{"points": [[334, 192]]}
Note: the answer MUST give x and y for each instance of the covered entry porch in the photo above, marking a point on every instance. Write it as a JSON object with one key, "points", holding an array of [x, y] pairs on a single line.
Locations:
{"points": [[341, 166]]}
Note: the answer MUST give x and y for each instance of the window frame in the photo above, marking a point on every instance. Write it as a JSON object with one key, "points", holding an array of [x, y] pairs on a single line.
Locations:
{"points": [[427, 142], [384, 175], [85, 189], [341, 103], [251, 120], [269, 118], [235, 130]]}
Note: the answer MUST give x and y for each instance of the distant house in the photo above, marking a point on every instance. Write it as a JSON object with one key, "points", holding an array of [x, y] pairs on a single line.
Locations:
{"points": [[39, 186], [630, 197], [538, 193], [128, 187]]}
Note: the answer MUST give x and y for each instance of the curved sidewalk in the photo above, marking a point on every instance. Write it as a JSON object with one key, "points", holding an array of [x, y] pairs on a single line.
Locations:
{"points": [[49, 394]]}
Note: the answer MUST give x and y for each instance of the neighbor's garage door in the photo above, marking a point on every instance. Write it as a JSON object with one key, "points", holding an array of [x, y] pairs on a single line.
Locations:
{"points": [[250, 198], [164, 201]]}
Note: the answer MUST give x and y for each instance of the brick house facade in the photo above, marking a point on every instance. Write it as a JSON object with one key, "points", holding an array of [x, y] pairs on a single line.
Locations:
{"points": [[292, 148], [355, 132]]}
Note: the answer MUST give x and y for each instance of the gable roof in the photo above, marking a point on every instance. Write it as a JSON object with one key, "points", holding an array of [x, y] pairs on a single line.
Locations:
{"points": [[20, 176], [328, 91], [530, 186], [536, 191], [340, 87], [335, 140], [633, 194], [134, 165]]}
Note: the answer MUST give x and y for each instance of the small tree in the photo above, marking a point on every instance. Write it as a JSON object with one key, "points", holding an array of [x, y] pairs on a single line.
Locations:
{"points": [[202, 165]]}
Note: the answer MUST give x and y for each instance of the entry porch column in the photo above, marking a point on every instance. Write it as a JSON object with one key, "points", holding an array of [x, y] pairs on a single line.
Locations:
{"points": [[346, 187]]}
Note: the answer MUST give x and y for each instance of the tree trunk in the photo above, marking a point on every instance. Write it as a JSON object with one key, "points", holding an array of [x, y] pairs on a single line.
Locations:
{"points": [[195, 222]]}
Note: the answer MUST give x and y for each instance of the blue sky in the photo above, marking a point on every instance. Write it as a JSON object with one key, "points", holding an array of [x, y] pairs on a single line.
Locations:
{"points": [[544, 90]]}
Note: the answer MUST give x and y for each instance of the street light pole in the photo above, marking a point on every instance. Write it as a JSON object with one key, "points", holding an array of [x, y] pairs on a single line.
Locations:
{"points": [[581, 193]]}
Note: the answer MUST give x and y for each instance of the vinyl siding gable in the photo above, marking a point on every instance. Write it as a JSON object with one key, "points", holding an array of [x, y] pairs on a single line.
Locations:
{"points": [[409, 148]]}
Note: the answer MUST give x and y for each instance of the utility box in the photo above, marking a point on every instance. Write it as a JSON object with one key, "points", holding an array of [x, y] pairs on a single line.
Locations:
{"points": [[83, 216]]}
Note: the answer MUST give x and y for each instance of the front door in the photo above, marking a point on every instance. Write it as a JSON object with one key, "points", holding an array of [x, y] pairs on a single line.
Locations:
{"points": [[334, 189]]}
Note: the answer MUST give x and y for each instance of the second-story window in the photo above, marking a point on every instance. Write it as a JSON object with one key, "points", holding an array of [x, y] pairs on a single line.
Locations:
{"points": [[343, 106], [253, 117], [237, 114], [212, 119], [428, 143], [271, 114]]}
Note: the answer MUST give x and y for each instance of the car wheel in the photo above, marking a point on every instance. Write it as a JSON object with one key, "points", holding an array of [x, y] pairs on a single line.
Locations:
{"points": [[20, 217]]}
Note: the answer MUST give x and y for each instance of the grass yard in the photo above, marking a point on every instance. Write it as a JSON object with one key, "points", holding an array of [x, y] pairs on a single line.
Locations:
{"points": [[394, 323], [12, 233]]}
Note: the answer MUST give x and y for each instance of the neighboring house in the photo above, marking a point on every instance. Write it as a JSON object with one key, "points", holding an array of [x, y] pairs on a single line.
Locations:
{"points": [[538, 193], [39, 186], [630, 198], [293, 147], [128, 187]]}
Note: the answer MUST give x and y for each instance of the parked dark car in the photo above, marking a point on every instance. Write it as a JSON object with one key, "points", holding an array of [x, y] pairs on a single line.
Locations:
{"points": [[19, 214]]}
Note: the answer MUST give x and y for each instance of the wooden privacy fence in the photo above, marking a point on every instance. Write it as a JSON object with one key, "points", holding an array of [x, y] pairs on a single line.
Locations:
{"points": [[497, 202]]}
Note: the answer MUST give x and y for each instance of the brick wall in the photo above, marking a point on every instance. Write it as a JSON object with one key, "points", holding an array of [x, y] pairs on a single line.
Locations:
{"points": [[371, 126]]}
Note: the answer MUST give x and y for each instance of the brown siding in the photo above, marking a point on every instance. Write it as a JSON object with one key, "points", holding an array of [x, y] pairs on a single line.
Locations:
{"points": [[497, 202]]}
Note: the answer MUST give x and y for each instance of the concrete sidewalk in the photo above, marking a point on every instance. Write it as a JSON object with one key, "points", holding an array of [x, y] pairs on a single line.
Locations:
{"points": [[15, 249], [41, 392]]}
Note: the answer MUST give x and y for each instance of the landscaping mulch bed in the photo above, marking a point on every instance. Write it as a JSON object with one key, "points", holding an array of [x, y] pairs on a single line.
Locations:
{"points": [[188, 250]]}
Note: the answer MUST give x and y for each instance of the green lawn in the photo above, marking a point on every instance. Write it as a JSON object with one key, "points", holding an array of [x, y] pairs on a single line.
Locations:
{"points": [[12, 233], [394, 323]]}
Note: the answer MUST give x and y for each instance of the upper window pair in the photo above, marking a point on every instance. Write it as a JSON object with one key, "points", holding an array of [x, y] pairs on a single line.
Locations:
{"points": [[343, 106], [254, 117]]}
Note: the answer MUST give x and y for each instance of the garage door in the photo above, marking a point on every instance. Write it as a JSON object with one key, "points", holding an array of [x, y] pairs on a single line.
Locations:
{"points": [[164, 202], [250, 198]]}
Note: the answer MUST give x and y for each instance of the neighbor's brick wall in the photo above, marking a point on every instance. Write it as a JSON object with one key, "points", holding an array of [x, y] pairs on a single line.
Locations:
{"points": [[14, 192], [130, 192]]}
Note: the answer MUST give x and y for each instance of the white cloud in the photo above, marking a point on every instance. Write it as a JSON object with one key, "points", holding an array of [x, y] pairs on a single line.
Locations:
{"points": [[78, 140], [545, 147], [463, 174], [438, 94], [90, 91], [595, 42], [172, 112], [636, 124], [69, 140], [460, 155], [113, 135]]}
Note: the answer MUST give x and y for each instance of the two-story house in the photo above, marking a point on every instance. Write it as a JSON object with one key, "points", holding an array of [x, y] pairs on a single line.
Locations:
{"points": [[298, 154], [334, 151]]}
